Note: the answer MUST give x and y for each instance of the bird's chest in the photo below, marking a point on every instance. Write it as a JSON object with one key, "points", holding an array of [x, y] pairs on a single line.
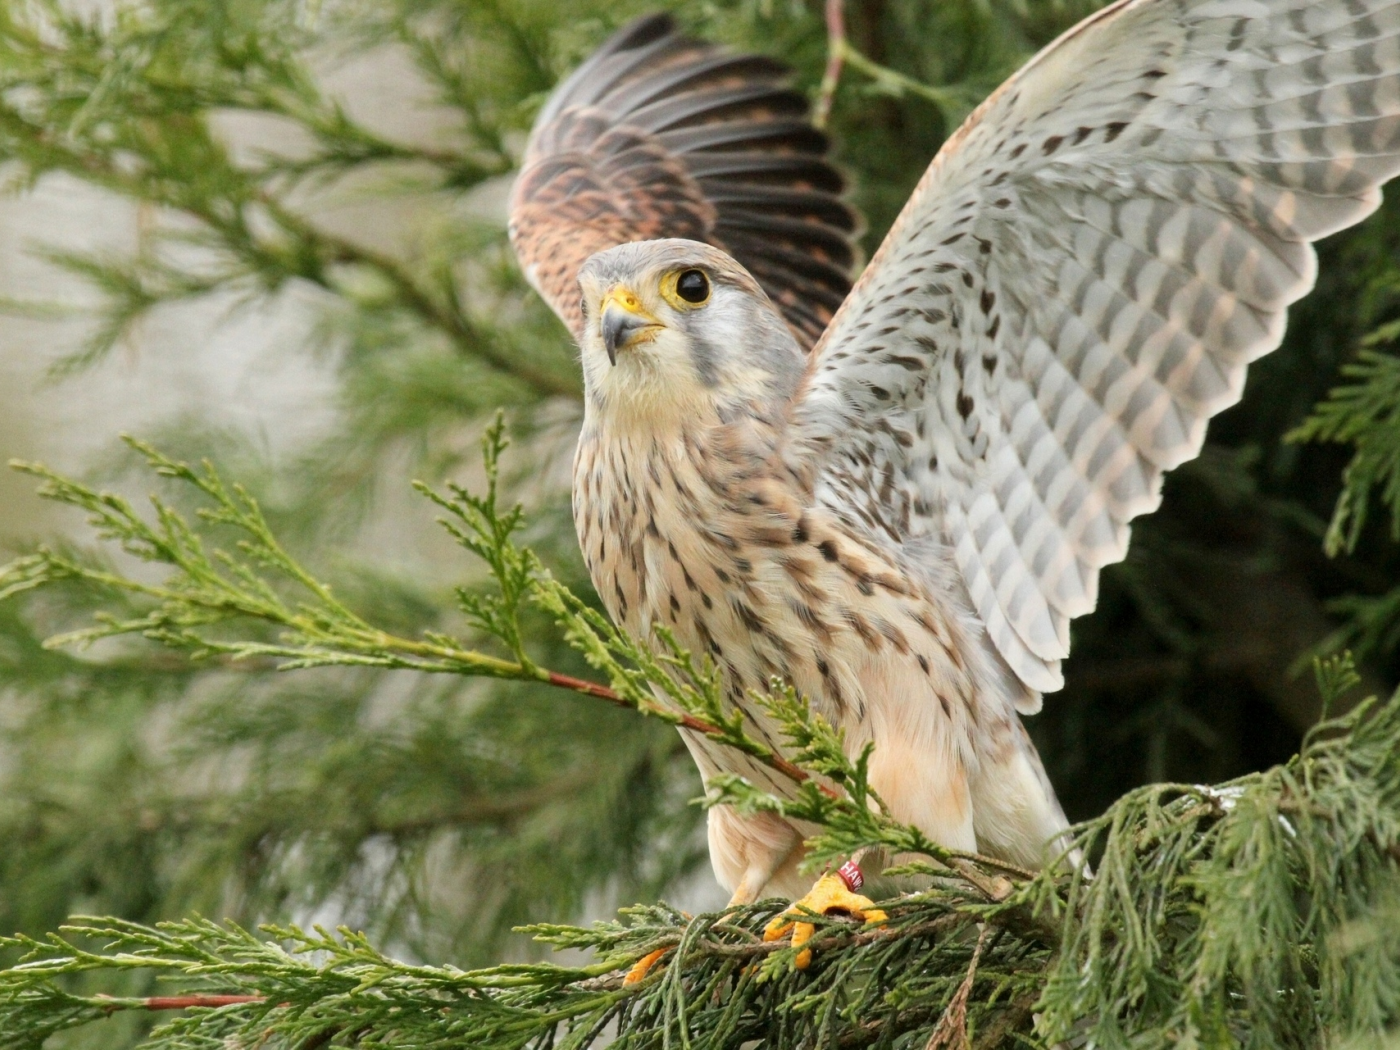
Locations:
{"points": [[748, 576], [666, 541]]}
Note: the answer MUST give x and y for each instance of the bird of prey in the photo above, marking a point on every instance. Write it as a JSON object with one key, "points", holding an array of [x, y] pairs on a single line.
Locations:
{"points": [[895, 496]]}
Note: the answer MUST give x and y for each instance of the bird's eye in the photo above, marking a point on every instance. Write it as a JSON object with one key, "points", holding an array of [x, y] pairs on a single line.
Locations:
{"points": [[693, 286]]}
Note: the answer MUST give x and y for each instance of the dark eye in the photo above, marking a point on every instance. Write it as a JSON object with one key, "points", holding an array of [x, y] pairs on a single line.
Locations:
{"points": [[693, 286]]}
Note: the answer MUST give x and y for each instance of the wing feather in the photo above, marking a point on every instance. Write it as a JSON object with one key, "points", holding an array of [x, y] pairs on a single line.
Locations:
{"points": [[761, 170], [1080, 281], [658, 135]]}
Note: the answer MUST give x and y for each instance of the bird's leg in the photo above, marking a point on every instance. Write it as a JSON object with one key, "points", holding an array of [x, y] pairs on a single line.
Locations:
{"points": [[744, 893], [834, 894], [758, 874]]}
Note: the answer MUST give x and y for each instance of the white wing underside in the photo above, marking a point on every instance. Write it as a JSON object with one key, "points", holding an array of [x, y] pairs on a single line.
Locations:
{"points": [[1079, 282]]}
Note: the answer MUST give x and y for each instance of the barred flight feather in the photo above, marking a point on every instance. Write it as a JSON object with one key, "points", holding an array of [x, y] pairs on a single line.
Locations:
{"points": [[1087, 268], [660, 135]]}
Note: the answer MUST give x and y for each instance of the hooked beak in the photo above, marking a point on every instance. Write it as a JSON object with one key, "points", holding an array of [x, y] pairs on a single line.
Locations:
{"points": [[624, 321]]}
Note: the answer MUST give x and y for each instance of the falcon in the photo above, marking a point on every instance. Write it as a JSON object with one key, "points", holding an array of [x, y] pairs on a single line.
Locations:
{"points": [[895, 496]]}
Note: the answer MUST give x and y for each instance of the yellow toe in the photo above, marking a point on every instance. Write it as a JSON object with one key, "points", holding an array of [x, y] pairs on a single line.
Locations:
{"points": [[828, 897], [643, 966], [802, 933]]}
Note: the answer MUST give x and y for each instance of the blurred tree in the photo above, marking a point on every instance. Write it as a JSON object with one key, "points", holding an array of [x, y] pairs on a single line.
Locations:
{"points": [[134, 783]]}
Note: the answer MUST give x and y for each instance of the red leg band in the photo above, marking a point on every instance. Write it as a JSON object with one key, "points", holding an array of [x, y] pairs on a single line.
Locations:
{"points": [[851, 875]]}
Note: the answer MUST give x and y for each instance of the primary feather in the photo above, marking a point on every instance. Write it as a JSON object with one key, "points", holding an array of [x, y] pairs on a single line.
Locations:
{"points": [[1080, 280]]}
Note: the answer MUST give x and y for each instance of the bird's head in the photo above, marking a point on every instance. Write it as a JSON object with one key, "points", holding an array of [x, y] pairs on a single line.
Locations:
{"points": [[676, 327]]}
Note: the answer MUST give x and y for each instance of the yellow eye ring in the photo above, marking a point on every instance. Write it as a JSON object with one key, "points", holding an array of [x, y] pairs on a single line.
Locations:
{"points": [[686, 289]]}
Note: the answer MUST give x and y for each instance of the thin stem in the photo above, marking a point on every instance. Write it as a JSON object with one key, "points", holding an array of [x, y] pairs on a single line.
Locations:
{"points": [[681, 720], [951, 1029], [181, 1002], [835, 57], [892, 81]]}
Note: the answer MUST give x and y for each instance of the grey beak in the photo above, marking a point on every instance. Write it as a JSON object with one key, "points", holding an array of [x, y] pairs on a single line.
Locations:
{"points": [[618, 326]]}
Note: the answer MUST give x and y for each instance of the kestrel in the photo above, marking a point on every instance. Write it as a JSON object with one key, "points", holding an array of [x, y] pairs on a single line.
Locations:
{"points": [[896, 498]]}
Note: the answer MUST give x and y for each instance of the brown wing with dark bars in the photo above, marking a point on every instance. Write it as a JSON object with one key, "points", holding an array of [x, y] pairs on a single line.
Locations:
{"points": [[661, 135]]}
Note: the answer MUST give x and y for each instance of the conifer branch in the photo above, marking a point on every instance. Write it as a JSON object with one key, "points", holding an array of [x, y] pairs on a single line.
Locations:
{"points": [[1364, 412], [1251, 912]]}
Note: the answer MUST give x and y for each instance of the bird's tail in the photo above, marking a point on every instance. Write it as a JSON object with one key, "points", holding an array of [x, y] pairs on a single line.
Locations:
{"points": [[1015, 813]]}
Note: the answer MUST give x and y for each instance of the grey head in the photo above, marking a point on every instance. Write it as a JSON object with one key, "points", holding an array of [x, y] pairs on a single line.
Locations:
{"points": [[678, 326]]}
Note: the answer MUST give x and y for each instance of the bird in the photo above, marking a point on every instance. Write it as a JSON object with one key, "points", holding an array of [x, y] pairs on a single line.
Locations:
{"points": [[894, 493]]}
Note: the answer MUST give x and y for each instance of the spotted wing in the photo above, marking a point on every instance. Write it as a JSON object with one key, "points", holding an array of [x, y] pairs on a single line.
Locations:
{"points": [[659, 135], [1079, 282]]}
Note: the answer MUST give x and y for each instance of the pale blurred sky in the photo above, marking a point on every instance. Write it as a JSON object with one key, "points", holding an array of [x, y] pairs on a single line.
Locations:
{"points": [[231, 366]]}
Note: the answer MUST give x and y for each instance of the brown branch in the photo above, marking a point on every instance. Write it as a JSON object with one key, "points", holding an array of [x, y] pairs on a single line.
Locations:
{"points": [[835, 59], [582, 685], [186, 1002], [951, 1030], [683, 721]]}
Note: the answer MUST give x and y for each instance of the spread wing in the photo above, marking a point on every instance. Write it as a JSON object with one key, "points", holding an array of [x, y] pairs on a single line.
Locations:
{"points": [[1079, 282], [658, 135]]}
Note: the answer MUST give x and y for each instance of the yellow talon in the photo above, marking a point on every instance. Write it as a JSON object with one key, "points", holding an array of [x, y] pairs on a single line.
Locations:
{"points": [[828, 897], [643, 966]]}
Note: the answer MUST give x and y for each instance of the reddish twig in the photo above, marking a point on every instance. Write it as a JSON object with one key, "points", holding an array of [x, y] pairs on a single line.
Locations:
{"points": [[835, 57], [582, 685], [683, 721], [186, 1002]]}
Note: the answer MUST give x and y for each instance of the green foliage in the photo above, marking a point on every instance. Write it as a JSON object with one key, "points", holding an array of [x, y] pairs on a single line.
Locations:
{"points": [[1226, 916], [209, 588], [1257, 913], [1364, 412]]}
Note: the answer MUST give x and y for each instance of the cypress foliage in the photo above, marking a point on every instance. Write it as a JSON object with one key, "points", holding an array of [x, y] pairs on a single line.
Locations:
{"points": [[421, 776]]}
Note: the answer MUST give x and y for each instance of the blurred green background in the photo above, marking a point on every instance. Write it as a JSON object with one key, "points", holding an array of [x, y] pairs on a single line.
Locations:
{"points": [[272, 233]]}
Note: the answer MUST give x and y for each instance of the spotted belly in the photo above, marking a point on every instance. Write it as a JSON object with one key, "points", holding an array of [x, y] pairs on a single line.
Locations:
{"points": [[750, 579]]}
